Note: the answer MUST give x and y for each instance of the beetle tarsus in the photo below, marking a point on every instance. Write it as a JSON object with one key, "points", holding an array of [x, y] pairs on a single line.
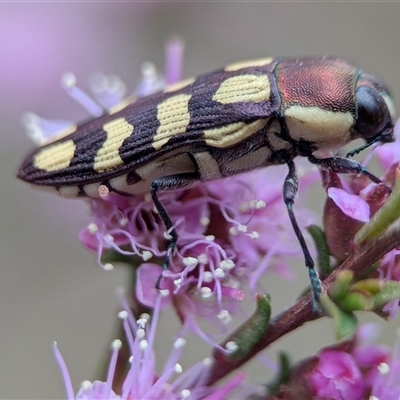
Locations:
{"points": [[316, 288], [344, 166]]}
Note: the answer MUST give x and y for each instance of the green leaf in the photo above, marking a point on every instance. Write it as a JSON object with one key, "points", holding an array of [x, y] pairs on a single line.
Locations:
{"points": [[247, 335], [389, 292], [345, 323], [384, 217], [282, 375], [321, 245], [341, 285], [370, 286], [354, 301]]}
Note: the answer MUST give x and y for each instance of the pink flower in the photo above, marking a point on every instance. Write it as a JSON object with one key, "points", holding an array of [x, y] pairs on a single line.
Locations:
{"points": [[142, 381], [353, 369], [351, 205], [337, 376]]}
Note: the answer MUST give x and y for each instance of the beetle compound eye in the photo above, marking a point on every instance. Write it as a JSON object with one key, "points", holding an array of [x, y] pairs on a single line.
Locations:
{"points": [[372, 113]]}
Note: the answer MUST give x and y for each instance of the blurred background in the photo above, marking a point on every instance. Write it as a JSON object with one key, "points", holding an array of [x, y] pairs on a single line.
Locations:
{"points": [[50, 286]]}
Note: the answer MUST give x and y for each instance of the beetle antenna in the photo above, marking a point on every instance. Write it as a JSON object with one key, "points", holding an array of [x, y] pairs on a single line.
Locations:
{"points": [[352, 153]]}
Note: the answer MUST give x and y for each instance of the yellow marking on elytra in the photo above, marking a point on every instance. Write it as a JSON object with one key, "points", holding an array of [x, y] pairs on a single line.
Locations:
{"points": [[121, 105], [327, 129], [179, 85], [243, 88], [249, 63], [55, 157], [174, 117], [231, 134], [108, 156]]}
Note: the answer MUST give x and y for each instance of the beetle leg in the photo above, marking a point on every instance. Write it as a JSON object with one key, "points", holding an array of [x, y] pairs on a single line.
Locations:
{"points": [[344, 165], [290, 190], [171, 182]]}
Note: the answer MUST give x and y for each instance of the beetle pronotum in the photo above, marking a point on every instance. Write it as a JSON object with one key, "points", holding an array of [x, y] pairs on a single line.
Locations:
{"points": [[246, 116]]}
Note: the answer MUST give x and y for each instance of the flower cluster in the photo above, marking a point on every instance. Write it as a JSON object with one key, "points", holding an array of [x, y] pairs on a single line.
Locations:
{"points": [[142, 380], [356, 369]]}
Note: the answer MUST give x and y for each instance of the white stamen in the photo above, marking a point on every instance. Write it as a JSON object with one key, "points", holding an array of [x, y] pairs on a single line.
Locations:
{"points": [[144, 344], [208, 361], [185, 393], [219, 273], [178, 368], [205, 221], [383, 368], [123, 221], [190, 261], [147, 197], [178, 282], [108, 267], [233, 231], [208, 276], [206, 292], [116, 344], [146, 255], [210, 238], [109, 237], [254, 235], [141, 333], [227, 265], [42, 131], [68, 82], [149, 70], [258, 204], [231, 346], [123, 314], [109, 90], [130, 359], [93, 228], [86, 384], [149, 83], [242, 228], [142, 322], [179, 342], [225, 316], [164, 292], [202, 258]]}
